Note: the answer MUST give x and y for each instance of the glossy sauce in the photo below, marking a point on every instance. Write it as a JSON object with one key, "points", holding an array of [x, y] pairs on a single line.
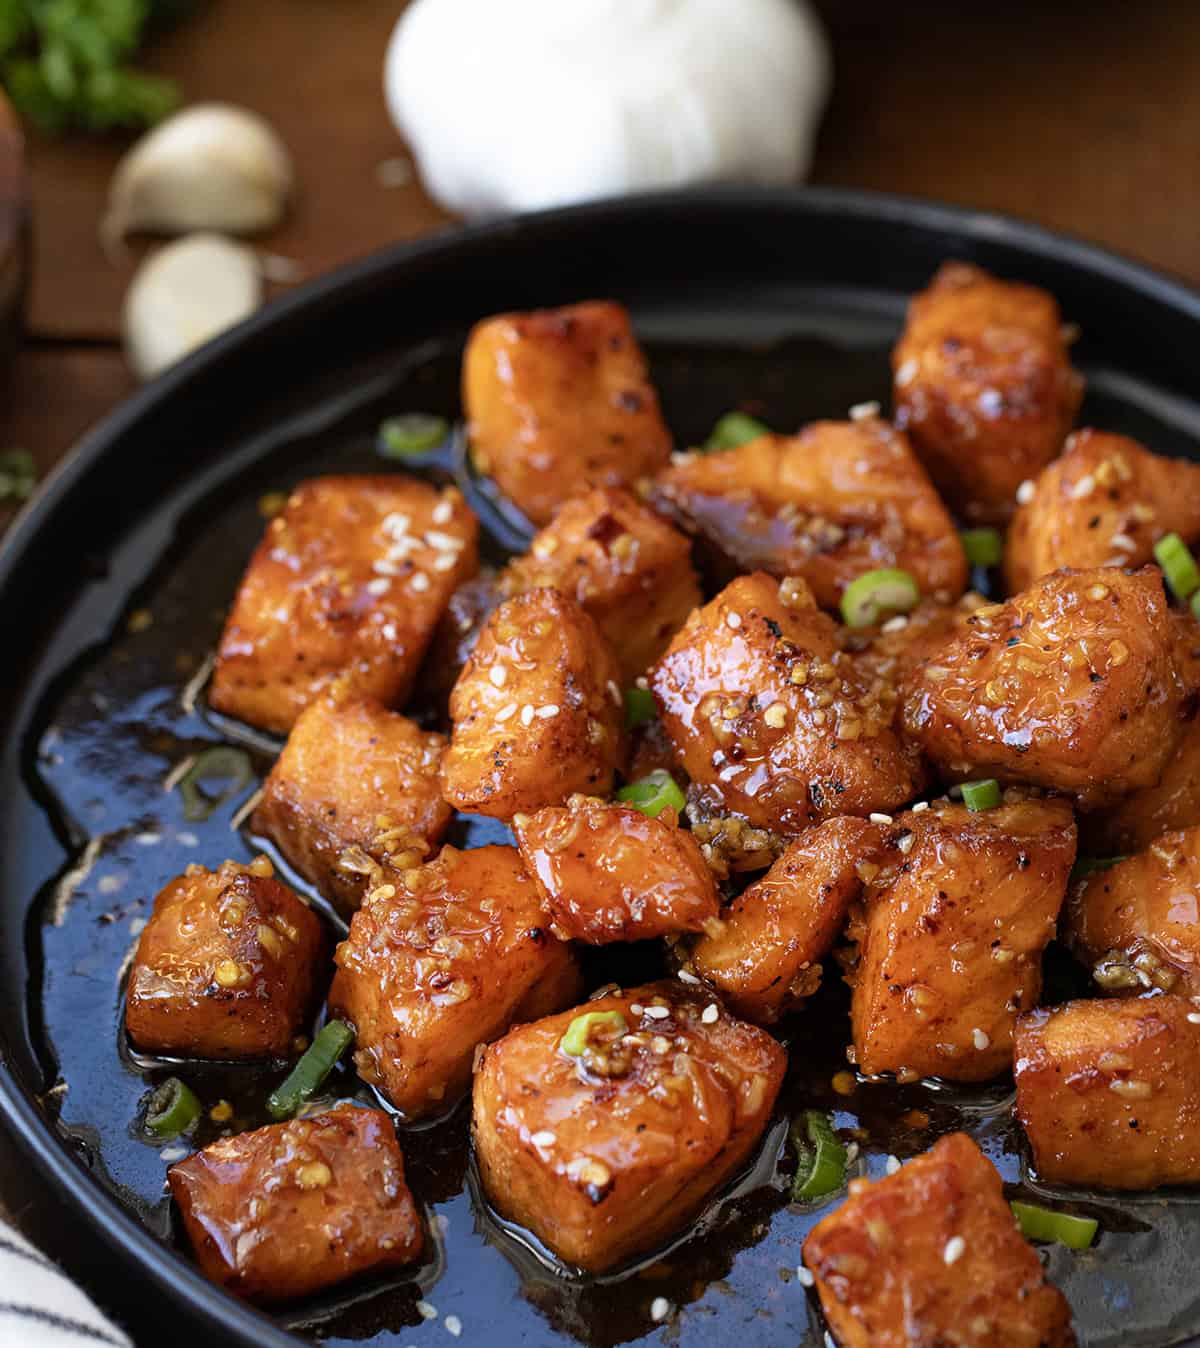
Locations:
{"points": [[125, 716]]}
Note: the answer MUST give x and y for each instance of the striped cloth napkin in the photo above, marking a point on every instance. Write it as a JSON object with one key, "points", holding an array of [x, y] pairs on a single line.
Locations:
{"points": [[40, 1307]]}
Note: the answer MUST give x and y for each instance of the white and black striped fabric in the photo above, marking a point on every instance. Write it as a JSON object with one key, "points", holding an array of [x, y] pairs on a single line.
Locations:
{"points": [[40, 1307]]}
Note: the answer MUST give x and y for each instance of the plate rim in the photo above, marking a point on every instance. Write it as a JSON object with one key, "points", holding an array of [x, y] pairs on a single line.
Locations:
{"points": [[102, 1212]]}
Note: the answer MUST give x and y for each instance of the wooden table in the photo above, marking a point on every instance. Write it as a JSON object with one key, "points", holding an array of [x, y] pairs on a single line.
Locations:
{"points": [[1083, 118]]}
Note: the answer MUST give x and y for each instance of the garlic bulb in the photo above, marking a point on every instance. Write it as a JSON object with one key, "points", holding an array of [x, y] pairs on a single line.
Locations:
{"points": [[210, 166], [183, 295], [529, 103]]}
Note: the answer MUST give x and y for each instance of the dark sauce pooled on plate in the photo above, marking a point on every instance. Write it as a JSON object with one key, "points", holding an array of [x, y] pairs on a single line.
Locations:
{"points": [[125, 715]]}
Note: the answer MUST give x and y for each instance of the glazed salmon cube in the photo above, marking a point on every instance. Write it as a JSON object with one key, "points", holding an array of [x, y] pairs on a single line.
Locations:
{"points": [[282, 1212], [1105, 502], [1071, 685], [932, 1256], [984, 387], [837, 500], [1137, 924], [631, 571], [951, 936], [559, 400], [353, 778], [1173, 800], [347, 585], [605, 1129], [1108, 1094], [537, 710], [765, 716], [226, 967], [442, 958], [765, 957], [609, 873]]}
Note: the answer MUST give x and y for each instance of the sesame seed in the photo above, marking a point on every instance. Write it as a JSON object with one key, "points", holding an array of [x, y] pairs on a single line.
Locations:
{"points": [[545, 1138], [1083, 488], [804, 1277], [851, 1152], [445, 561], [1025, 492], [380, 585], [979, 1039], [861, 411], [396, 525], [1123, 542], [453, 1325], [615, 693], [642, 682], [1194, 1017], [549, 711], [147, 839], [733, 620], [419, 581], [426, 1310], [1098, 592], [919, 806], [877, 818], [1132, 1090], [443, 542], [109, 884], [660, 1308], [388, 631], [906, 373], [905, 844], [635, 1009], [509, 709], [443, 513], [892, 1165], [896, 624], [384, 567], [686, 977], [498, 675], [710, 1013], [527, 714], [956, 1247], [658, 1012]]}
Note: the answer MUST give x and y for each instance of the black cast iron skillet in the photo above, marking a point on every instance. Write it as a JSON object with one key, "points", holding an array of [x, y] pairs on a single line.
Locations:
{"points": [[787, 299]]}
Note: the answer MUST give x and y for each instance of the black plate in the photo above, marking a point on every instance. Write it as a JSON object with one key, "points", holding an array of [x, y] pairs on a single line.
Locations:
{"points": [[789, 298]]}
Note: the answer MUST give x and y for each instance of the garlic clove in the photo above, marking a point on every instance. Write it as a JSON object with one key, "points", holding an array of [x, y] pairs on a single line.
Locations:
{"points": [[183, 295], [210, 166]]}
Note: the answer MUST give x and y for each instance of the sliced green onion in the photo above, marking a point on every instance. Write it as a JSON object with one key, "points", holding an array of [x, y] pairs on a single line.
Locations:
{"points": [[822, 1168], [878, 595], [575, 1041], [1085, 866], [1178, 564], [639, 707], [223, 763], [1036, 1223], [308, 1075], [1196, 604], [18, 475], [984, 795], [412, 433], [171, 1109], [984, 547], [734, 429], [653, 793]]}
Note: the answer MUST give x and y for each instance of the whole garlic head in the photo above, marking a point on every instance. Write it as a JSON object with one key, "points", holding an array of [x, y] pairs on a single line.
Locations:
{"points": [[210, 166], [512, 105], [185, 294]]}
